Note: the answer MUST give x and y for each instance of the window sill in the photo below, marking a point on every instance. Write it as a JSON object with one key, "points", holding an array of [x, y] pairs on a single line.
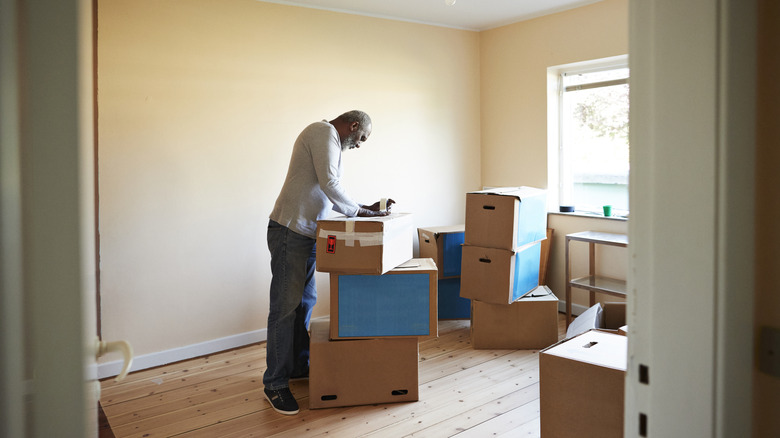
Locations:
{"points": [[591, 215]]}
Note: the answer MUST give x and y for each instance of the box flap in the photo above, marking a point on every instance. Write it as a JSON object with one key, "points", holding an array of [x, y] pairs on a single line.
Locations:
{"points": [[541, 293], [414, 265], [444, 229], [516, 192], [587, 320]]}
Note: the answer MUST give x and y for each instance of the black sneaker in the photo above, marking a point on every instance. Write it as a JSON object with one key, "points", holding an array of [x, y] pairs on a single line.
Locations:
{"points": [[282, 400]]}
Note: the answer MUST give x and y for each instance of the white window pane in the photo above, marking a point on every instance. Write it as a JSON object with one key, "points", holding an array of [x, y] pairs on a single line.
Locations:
{"points": [[595, 146]]}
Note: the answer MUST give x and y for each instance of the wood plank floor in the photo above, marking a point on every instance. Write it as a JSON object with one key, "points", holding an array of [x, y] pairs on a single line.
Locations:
{"points": [[463, 392]]}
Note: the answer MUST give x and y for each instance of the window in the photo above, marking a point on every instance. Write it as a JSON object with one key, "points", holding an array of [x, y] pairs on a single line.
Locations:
{"points": [[588, 136]]}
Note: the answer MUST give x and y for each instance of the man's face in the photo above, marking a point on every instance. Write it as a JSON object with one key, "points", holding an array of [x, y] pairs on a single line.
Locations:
{"points": [[355, 138]]}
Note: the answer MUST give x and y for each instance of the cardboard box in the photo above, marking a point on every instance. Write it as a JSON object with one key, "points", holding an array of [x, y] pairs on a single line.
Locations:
{"points": [[529, 323], [443, 245], [506, 218], [499, 276], [402, 302], [360, 372], [364, 245], [581, 382], [451, 304]]}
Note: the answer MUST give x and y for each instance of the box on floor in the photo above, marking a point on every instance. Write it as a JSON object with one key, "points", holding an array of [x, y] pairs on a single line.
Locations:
{"points": [[506, 218], [451, 304], [360, 371], [581, 382], [359, 245], [401, 302], [499, 276], [529, 323], [443, 245]]}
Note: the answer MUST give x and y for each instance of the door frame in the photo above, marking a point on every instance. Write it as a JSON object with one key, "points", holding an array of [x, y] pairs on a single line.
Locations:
{"points": [[691, 229]]}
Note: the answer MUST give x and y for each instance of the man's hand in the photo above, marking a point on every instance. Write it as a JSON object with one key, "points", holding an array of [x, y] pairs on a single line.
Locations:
{"points": [[364, 212], [375, 206]]}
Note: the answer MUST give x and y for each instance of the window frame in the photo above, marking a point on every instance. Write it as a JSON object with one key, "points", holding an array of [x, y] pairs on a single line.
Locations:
{"points": [[555, 147]]}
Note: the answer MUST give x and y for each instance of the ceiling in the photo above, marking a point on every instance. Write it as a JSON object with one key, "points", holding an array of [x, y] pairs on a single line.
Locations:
{"points": [[473, 15]]}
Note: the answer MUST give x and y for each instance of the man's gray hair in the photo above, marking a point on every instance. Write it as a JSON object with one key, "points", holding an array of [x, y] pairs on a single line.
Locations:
{"points": [[356, 116]]}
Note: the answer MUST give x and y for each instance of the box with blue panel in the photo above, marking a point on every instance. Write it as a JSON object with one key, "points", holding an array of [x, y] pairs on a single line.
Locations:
{"points": [[500, 276], [506, 218], [401, 302], [451, 304], [442, 244]]}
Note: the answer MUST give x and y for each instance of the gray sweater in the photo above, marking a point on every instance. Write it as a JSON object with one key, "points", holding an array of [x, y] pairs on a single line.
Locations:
{"points": [[313, 187]]}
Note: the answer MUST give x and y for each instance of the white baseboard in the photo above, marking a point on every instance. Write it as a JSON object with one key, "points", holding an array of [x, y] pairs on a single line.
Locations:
{"points": [[151, 360]]}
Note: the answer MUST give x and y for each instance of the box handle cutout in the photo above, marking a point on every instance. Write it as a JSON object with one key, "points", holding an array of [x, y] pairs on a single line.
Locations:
{"points": [[488, 207], [399, 392], [642, 424], [484, 260], [590, 344], [329, 397], [644, 374]]}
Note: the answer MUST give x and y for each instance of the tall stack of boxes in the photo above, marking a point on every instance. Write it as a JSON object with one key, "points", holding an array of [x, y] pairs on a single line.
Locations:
{"points": [[382, 301], [444, 245], [504, 231]]}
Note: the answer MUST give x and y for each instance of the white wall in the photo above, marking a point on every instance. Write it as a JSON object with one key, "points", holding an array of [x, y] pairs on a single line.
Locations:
{"points": [[199, 105]]}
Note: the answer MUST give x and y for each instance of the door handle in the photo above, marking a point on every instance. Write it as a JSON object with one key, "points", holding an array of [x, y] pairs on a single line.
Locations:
{"points": [[124, 347]]}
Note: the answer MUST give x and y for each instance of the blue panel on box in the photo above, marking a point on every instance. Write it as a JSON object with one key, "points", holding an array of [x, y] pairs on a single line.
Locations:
{"points": [[526, 270], [384, 305], [532, 219], [451, 304], [452, 253]]}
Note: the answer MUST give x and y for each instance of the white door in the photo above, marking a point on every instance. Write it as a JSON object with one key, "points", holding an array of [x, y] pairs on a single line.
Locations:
{"points": [[47, 220]]}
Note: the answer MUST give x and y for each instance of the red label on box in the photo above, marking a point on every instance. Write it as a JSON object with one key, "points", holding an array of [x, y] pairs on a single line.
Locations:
{"points": [[331, 248]]}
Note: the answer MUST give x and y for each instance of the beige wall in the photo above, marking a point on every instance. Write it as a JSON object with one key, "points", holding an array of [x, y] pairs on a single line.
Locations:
{"points": [[767, 388], [514, 61], [199, 104]]}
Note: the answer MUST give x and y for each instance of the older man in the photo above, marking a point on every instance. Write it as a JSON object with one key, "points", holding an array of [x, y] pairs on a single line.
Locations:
{"points": [[311, 190]]}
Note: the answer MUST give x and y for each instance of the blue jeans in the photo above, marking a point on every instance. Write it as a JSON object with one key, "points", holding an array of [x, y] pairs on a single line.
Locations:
{"points": [[293, 296]]}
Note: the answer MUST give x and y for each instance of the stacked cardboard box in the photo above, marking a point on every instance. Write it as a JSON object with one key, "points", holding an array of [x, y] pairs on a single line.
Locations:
{"points": [[444, 245], [501, 261], [382, 302]]}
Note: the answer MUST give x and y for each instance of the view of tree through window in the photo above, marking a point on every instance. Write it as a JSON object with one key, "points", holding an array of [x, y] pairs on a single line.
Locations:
{"points": [[594, 140]]}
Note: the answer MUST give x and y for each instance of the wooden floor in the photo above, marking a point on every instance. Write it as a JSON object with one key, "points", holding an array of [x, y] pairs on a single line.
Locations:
{"points": [[463, 392]]}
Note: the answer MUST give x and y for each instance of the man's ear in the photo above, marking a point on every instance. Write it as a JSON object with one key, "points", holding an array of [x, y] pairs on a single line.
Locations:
{"points": [[354, 126]]}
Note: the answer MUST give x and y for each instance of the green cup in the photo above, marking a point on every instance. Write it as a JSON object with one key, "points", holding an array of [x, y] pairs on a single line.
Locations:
{"points": [[607, 210]]}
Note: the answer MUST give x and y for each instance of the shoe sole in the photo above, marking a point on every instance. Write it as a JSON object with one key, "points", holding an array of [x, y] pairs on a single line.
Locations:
{"points": [[279, 410]]}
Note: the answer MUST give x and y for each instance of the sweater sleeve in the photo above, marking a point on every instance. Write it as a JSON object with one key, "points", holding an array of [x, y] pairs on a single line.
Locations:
{"points": [[326, 156]]}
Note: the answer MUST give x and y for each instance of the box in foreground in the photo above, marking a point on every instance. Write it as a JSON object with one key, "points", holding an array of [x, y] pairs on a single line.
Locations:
{"points": [[581, 383], [529, 323], [361, 371]]}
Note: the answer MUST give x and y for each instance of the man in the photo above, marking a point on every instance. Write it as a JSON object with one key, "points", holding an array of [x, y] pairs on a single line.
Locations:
{"points": [[312, 188]]}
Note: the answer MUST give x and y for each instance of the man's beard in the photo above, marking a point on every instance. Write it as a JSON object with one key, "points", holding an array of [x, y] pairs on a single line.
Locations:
{"points": [[351, 141]]}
